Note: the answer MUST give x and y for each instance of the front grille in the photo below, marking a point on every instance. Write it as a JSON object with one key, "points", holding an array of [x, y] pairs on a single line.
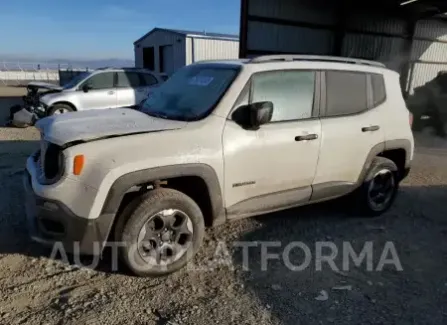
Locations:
{"points": [[49, 162]]}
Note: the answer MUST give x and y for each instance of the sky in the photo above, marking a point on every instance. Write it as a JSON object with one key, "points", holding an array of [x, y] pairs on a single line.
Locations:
{"points": [[103, 29]]}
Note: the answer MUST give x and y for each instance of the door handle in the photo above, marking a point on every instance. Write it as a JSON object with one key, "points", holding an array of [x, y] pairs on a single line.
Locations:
{"points": [[111, 92], [306, 137], [371, 128]]}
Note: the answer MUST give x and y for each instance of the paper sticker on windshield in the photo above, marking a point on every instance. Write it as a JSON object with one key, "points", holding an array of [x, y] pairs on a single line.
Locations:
{"points": [[201, 81]]}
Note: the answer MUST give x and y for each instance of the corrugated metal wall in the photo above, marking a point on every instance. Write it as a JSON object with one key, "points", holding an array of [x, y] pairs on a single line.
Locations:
{"points": [[304, 26], [384, 49], [428, 53], [270, 37], [211, 49], [161, 38], [312, 26], [377, 38], [265, 35], [186, 49], [307, 11]]}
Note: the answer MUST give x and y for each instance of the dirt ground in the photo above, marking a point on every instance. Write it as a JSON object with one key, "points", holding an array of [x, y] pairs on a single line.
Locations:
{"points": [[35, 289]]}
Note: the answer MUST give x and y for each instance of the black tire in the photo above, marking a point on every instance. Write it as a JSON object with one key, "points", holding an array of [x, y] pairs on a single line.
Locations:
{"points": [[382, 168], [63, 108], [143, 209]]}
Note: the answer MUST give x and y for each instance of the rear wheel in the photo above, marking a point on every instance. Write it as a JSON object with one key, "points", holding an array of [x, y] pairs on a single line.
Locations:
{"points": [[58, 109], [164, 230], [379, 189]]}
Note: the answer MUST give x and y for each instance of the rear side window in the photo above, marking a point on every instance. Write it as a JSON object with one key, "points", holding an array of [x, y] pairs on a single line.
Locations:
{"points": [[128, 80], [292, 93], [346, 93], [149, 80], [378, 87]]}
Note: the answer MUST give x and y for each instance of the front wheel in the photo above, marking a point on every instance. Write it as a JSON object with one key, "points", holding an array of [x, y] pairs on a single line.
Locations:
{"points": [[164, 230], [379, 189], [58, 109]]}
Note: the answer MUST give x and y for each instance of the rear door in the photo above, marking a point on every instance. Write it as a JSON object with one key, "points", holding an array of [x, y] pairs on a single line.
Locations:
{"points": [[130, 88], [351, 126], [101, 93]]}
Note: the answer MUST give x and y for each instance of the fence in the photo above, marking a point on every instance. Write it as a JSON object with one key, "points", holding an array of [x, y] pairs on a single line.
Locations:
{"points": [[21, 73]]}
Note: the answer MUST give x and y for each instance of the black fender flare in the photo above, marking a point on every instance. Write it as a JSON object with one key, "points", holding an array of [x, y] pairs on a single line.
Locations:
{"points": [[404, 144], [121, 186]]}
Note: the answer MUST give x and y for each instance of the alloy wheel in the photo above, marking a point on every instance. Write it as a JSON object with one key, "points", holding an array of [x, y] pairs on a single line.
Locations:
{"points": [[165, 237]]}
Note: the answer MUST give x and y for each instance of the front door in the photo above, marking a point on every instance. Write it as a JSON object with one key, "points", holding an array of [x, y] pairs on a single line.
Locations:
{"points": [[101, 92], [274, 167]]}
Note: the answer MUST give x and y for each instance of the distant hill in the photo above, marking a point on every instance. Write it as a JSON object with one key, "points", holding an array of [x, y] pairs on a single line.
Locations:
{"points": [[28, 63]]}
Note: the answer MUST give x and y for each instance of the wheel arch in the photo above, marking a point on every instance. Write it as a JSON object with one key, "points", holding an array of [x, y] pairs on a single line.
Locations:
{"points": [[63, 102], [399, 151], [188, 173]]}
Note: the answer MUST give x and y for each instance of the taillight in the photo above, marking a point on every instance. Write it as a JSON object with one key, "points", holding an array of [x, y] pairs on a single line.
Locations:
{"points": [[411, 119]]}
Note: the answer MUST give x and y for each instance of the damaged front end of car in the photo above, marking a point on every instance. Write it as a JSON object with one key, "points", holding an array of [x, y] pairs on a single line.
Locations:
{"points": [[32, 109]]}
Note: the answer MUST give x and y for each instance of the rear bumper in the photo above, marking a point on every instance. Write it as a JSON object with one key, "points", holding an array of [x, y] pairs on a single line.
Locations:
{"points": [[51, 222]]}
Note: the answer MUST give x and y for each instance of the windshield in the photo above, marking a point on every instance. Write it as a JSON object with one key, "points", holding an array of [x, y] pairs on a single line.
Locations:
{"points": [[191, 93], [77, 79]]}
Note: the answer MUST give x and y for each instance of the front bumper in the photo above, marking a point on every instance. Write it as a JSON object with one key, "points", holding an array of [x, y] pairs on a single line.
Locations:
{"points": [[51, 222]]}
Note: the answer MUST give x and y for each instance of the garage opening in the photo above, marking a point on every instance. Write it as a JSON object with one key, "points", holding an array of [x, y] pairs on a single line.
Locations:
{"points": [[166, 59], [149, 58]]}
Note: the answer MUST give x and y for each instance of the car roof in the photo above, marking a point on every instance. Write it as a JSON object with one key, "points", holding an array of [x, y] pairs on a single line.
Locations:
{"points": [[352, 63], [130, 69]]}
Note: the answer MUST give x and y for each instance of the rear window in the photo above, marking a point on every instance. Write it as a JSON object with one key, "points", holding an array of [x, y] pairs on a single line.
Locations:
{"points": [[128, 80], [378, 87], [346, 93]]}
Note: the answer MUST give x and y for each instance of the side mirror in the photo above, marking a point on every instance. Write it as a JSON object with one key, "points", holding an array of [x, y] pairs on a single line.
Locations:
{"points": [[252, 116], [86, 88]]}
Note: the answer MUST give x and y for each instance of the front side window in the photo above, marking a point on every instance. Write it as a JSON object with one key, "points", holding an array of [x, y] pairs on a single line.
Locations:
{"points": [[291, 92], [128, 80], [103, 80], [77, 79], [191, 93], [346, 93]]}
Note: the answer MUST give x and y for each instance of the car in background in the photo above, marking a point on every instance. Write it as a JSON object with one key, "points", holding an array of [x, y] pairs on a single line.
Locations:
{"points": [[101, 89]]}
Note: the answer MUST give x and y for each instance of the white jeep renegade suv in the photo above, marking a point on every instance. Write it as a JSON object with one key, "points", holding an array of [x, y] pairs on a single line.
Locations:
{"points": [[220, 140]]}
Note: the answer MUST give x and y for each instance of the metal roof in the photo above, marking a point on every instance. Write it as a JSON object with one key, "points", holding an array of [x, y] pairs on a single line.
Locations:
{"points": [[188, 33]]}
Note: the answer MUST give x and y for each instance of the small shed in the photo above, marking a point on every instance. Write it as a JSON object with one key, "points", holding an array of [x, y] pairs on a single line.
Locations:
{"points": [[167, 50]]}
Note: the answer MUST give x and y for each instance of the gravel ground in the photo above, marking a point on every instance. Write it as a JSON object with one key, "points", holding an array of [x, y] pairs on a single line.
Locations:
{"points": [[35, 289]]}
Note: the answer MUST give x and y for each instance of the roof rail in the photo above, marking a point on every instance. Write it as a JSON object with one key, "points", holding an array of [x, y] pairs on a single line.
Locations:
{"points": [[299, 57]]}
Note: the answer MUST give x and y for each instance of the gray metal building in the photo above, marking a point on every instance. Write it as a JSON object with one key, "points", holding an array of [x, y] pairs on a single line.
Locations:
{"points": [[409, 36], [167, 50]]}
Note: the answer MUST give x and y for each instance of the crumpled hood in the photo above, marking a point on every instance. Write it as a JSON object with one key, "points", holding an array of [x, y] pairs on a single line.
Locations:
{"points": [[95, 124], [43, 85]]}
